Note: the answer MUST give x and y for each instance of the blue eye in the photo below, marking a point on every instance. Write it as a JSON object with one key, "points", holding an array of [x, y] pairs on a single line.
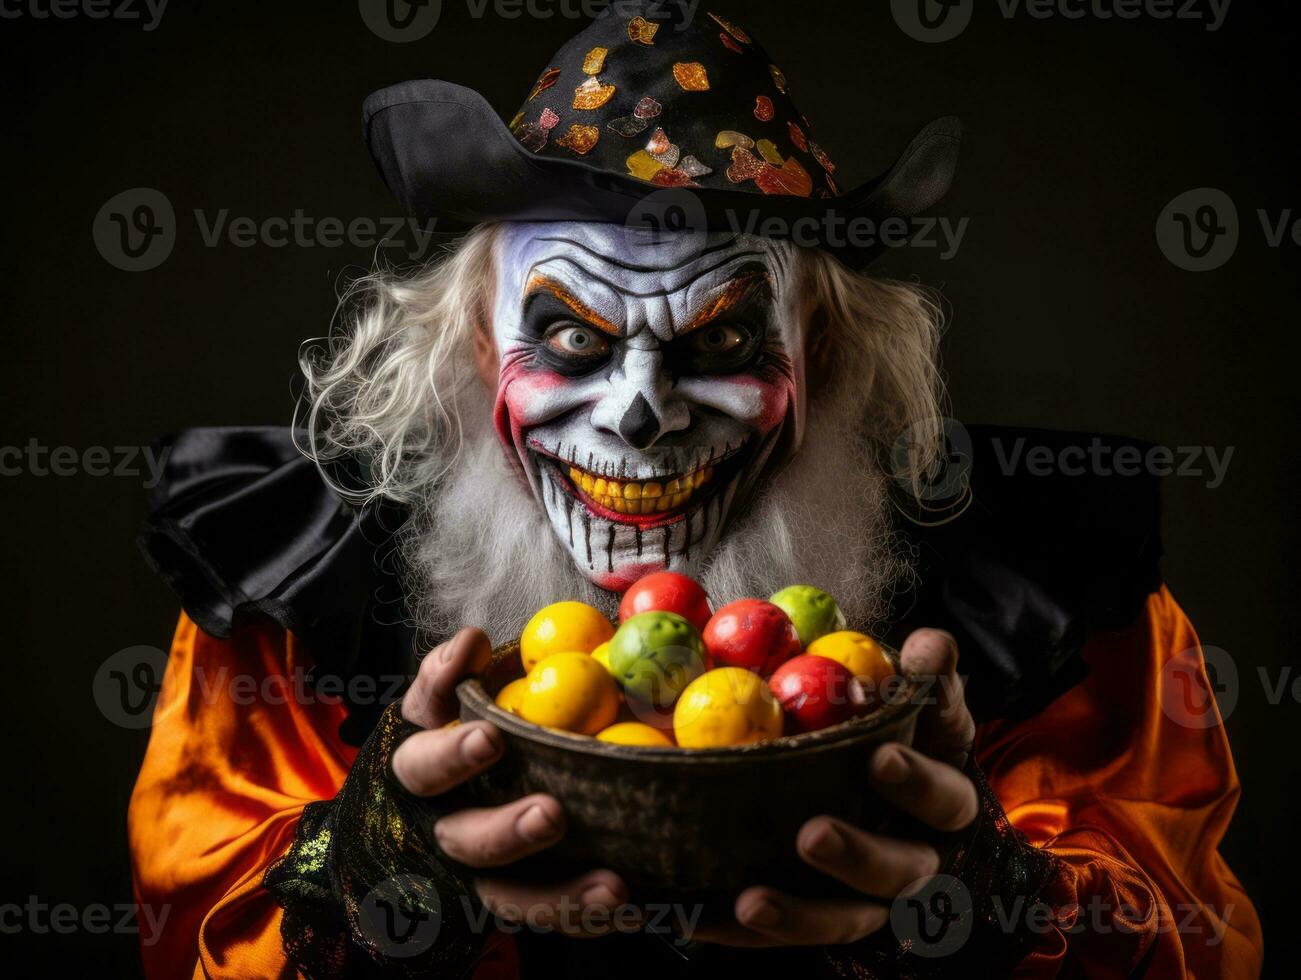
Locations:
{"points": [[578, 341]]}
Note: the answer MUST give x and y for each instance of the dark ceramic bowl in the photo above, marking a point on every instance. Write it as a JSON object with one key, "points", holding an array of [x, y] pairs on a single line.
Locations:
{"points": [[685, 825]]}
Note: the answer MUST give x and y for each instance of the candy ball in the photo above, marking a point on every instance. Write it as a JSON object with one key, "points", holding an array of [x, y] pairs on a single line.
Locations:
{"points": [[666, 592], [816, 692], [861, 654], [563, 627], [727, 706], [633, 733], [655, 655], [752, 634], [602, 655], [813, 612], [570, 691], [510, 696]]}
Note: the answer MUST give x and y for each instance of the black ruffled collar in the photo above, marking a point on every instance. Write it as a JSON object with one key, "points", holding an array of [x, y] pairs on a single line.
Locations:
{"points": [[243, 526]]}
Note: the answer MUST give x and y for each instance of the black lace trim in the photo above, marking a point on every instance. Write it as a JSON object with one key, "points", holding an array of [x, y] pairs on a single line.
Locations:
{"points": [[364, 889], [971, 919]]}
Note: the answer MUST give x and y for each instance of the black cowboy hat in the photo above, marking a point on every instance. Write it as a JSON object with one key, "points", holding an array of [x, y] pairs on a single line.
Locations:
{"points": [[654, 100]]}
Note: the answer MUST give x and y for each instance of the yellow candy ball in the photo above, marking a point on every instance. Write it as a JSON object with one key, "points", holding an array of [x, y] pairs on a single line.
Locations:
{"points": [[572, 692], [563, 627], [633, 733], [727, 706], [510, 696], [858, 652], [602, 655]]}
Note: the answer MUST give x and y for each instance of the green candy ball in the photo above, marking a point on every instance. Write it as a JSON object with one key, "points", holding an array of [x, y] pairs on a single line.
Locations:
{"points": [[813, 612], [654, 655]]}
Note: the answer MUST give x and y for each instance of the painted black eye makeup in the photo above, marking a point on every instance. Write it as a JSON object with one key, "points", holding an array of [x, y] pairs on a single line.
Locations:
{"points": [[562, 342], [733, 340]]}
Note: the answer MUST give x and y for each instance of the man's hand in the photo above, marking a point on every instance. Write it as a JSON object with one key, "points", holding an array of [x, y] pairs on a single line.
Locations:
{"points": [[438, 759], [923, 781]]}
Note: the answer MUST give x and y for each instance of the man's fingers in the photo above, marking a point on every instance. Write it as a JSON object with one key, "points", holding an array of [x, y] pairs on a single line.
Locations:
{"points": [[590, 905], [431, 701], [874, 865], [767, 917], [934, 792], [945, 729], [489, 838], [433, 762]]}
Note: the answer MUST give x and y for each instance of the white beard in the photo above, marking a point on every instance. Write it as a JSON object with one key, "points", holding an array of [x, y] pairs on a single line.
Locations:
{"points": [[481, 551]]}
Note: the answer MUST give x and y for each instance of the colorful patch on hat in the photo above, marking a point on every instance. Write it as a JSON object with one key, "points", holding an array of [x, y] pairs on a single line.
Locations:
{"points": [[549, 78], [790, 179], [643, 166], [764, 110], [592, 94], [672, 177], [580, 139], [730, 44], [532, 136], [594, 63], [820, 155], [691, 76], [647, 108], [642, 31], [693, 167], [779, 79], [745, 166], [731, 28], [730, 137], [628, 126], [798, 137], [768, 150], [548, 120], [663, 150]]}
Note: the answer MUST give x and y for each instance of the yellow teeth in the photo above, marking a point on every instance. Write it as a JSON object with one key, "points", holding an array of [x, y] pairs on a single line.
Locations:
{"points": [[626, 497]]}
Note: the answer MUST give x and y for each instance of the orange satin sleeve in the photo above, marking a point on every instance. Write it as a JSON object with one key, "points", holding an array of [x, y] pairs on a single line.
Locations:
{"points": [[1134, 804], [234, 755]]}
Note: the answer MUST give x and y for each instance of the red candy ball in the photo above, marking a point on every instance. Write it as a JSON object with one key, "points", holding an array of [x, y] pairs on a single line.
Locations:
{"points": [[815, 692], [753, 634], [666, 592]]}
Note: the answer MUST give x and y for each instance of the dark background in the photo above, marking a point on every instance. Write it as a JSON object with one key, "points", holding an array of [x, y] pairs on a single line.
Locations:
{"points": [[1065, 314]]}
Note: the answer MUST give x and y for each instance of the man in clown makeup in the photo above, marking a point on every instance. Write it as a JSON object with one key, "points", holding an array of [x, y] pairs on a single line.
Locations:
{"points": [[631, 362]]}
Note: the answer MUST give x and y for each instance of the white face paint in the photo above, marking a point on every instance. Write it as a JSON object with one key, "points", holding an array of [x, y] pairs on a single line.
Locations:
{"points": [[645, 390]]}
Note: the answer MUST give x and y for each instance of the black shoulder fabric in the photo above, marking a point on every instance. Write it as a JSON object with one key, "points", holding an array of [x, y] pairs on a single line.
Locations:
{"points": [[242, 525], [1036, 564]]}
